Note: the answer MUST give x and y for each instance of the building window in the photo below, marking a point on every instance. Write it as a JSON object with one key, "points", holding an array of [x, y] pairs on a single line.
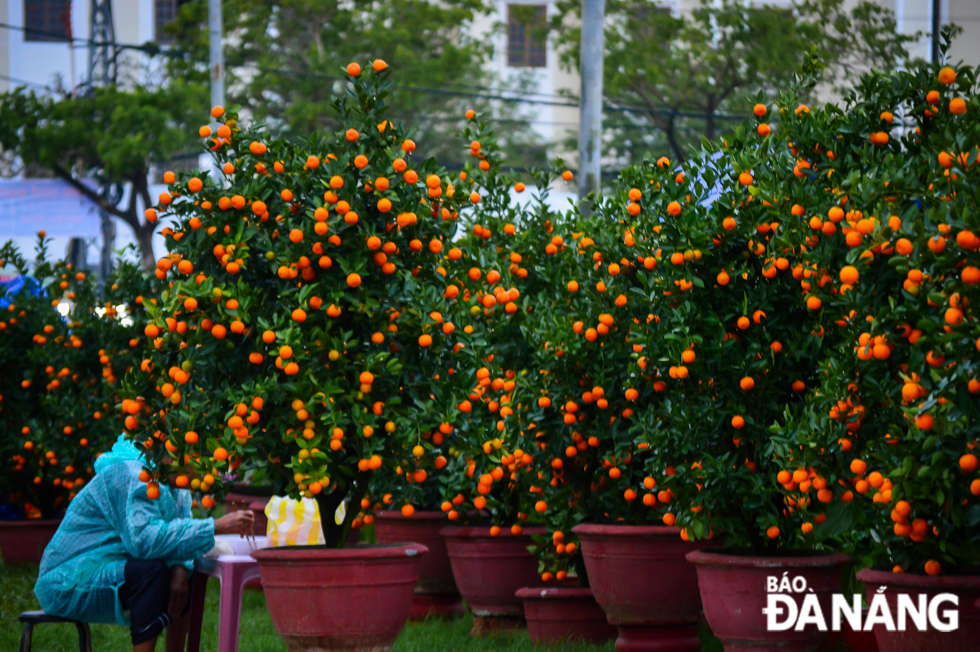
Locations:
{"points": [[47, 20], [527, 37], [165, 12]]}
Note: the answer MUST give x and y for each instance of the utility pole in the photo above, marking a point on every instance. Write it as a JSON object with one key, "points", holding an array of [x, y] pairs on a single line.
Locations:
{"points": [[590, 106], [102, 72], [937, 22], [217, 59]]}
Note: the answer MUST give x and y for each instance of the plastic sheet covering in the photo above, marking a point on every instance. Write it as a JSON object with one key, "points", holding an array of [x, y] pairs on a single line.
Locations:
{"points": [[110, 521]]}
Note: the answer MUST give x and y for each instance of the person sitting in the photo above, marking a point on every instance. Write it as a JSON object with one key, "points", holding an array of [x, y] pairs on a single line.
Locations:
{"points": [[120, 557]]}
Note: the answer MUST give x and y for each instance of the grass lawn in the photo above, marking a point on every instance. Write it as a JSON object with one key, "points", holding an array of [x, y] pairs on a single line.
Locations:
{"points": [[257, 633]]}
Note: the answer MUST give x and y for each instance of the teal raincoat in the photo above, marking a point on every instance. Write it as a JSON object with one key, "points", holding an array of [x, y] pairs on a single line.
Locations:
{"points": [[110, 521]]}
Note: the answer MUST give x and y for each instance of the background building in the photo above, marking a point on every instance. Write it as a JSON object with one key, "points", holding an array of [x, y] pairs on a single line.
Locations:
{"points": [[45, 45]]}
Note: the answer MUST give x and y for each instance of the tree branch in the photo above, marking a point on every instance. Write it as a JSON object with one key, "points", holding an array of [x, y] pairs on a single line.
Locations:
{"points": [[92, 195]]}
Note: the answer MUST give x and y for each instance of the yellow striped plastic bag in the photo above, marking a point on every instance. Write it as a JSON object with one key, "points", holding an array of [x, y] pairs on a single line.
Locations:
{"points": [[296, 522]]}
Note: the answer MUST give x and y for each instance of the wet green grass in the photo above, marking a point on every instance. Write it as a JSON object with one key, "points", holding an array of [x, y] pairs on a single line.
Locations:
{"points": [[257, 633]]}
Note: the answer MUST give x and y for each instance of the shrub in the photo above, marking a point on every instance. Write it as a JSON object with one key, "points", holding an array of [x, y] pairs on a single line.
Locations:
{"points": [[500, 269], [897, 404], [299, 332], [56, 411]]}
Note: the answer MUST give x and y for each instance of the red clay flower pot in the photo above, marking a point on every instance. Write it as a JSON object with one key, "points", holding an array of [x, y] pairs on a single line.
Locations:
{"points": [[849, 639], [733, 590], [489, 571], [351, 600], [23, 542], [435, 593], [963, 639], [558, 614], [640, 579]]}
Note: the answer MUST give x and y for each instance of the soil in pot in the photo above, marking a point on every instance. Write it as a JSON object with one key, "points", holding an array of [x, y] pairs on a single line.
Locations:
{"points": [[735, 596], [489, 571], [351, 600], [966, 588], [23, 542], [564, 613], [641, 581], [435, 593]]}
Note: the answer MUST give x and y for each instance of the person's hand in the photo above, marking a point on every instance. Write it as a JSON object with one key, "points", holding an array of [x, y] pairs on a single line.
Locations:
{"points": [[239, 522], [179, 591]]}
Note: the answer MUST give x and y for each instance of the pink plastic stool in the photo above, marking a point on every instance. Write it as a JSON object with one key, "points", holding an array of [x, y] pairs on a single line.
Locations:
{"points": [[233, 572]]}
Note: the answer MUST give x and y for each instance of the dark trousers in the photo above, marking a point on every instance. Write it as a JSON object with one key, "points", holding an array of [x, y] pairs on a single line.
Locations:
{"points": [[146, 594]]}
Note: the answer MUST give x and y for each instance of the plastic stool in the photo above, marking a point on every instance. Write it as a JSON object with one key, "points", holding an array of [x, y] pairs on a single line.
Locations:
{"points": [[32, 618]]}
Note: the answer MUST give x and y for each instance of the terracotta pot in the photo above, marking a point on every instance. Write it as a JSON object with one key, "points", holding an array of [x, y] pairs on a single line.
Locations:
{"points": [[966, 588], [489, 571], [23, 542], [564, 613], [640, 579], [850, 640], [328, 600], [435, 593], [733, 590]]}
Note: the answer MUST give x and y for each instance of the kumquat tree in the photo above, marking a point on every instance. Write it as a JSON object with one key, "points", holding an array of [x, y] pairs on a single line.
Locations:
{"points": [[56, 382], [301, 329], [682, 338], [500, 268], [894, 219]]}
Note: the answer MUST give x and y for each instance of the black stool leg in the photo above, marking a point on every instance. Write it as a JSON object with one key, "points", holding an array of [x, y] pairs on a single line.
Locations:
{"points": [[25, 638], [84, 637]]}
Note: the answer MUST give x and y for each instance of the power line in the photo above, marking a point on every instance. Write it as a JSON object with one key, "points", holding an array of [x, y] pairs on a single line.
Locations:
{"points": [[23, 81], [504, 98]]}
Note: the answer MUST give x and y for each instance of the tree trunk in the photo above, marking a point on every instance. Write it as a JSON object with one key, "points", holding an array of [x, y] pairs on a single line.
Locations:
{"points": [[144, 236], [675, 145], [334, 535]]}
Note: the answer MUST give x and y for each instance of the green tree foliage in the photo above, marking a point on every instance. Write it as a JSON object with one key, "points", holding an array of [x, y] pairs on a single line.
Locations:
{"points": [[683, 73], [111, 136], [285, 60]]}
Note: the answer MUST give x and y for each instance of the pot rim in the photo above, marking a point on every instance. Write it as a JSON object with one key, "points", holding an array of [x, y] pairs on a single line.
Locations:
{"points": [[28, 522], [870, 576], [480, 532], [555, 593], [419, 515], [611, 530], [315, 553], [721, 560]]}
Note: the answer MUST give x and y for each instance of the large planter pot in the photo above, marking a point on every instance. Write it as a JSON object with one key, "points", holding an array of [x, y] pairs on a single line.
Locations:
{"points": [[435, 593], [734, 594], [351, 600], [849, 639], [23, 542], [564, 613], [640, 579], [966, 588], [489, 571]]}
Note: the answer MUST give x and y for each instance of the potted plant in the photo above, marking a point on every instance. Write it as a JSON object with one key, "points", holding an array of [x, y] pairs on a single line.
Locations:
{"points": [[302, 335], [54, 386], [494, 269], [898, 397], [581, 413]]}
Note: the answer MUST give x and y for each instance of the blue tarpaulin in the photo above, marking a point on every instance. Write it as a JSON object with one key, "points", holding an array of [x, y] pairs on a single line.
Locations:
{"points": [[16, 285]]}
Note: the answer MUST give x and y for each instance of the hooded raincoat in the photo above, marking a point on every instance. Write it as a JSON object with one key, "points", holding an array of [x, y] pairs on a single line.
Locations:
{"points": [[110, 521]]}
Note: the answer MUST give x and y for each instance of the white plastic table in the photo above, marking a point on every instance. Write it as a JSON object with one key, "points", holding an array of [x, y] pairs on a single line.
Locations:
{"points": [[233, 573]]}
